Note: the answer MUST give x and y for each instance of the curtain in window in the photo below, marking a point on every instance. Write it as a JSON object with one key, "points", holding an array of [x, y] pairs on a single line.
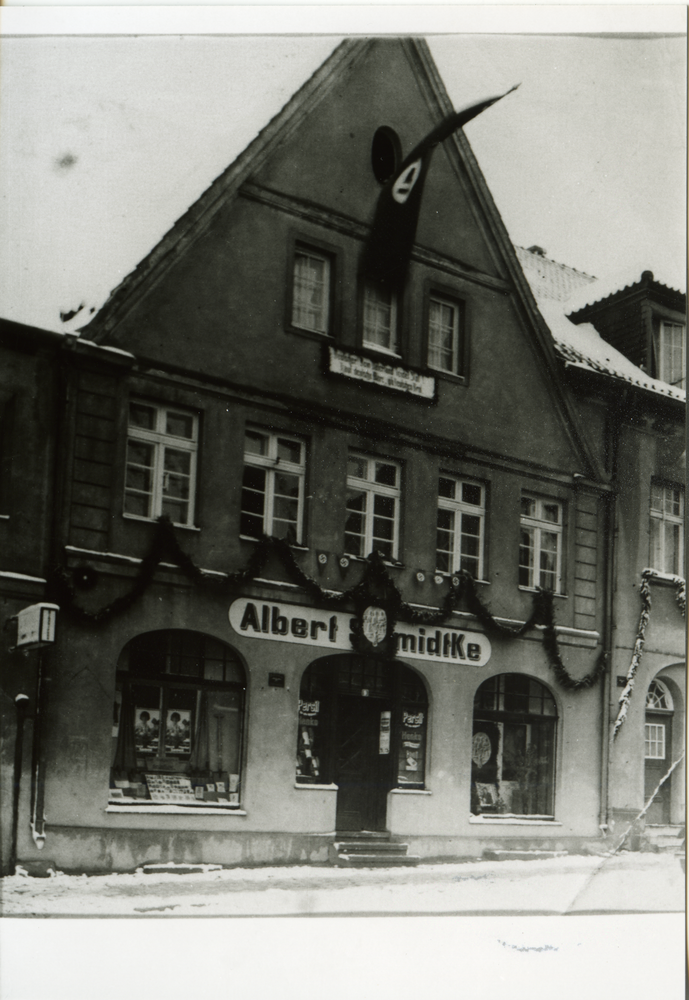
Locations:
{"points": [[125, 753]]}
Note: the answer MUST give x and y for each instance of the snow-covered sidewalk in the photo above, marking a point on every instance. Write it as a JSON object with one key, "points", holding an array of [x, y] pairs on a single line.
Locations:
{"points": [[626, 883]]}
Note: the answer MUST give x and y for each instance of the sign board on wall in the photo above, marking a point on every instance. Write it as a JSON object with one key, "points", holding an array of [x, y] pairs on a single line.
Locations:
{"points": [[333, 630], [389, 376]]}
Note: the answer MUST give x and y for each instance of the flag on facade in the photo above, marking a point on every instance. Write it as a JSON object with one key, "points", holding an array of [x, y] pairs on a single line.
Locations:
{"points": [[387, 252]]}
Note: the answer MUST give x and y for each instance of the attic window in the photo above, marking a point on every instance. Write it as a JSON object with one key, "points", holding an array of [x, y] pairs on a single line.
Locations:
{"points": [[385, 154]]}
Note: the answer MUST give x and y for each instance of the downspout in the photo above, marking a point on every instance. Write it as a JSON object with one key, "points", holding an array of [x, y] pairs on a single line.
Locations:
{"points": [[21, 703], [609, 620], [38, 755]]}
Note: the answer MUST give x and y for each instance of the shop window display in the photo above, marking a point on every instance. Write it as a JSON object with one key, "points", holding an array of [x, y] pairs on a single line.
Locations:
{"points": [[513, 747], [177, 725]]}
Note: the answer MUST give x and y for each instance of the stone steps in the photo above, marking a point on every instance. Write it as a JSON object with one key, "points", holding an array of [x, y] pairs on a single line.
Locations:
{"points": [[663, 838], [371, 852]]}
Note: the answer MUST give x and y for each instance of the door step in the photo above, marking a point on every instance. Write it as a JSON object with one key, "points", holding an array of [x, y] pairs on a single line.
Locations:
{"points": [[663, 838], [371, 852], [496, 855]]}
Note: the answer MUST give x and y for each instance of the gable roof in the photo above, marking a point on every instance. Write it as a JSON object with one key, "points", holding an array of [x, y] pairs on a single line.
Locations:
{"points": [[198, 217], [562, 291]]}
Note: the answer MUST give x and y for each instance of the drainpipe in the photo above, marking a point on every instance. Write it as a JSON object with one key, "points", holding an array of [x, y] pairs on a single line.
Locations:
{"points": [[37, 821], [21, 703], [609, 618]]}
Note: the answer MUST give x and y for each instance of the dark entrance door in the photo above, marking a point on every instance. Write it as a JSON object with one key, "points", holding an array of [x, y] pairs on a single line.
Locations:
{"points": [[658, 753], [362, 772]]}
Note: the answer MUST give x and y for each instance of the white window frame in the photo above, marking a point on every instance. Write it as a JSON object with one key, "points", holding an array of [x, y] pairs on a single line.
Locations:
{"points": [[272, 463], [372, 289], [664, 525], [442, 301], [537, 525], [657, 693], [371, 488], [160, 439], [301, 290], [459, 508], [671, 341], [654, 741]]}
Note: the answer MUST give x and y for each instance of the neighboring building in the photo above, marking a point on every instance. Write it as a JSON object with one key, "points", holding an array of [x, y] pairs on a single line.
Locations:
{"points": [[212, 696]]}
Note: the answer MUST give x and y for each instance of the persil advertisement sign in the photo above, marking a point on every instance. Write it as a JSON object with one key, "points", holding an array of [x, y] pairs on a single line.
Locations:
{"points": [[306, 626]]}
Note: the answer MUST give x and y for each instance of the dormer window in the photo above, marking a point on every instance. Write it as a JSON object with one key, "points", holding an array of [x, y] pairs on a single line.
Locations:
{"points": [[670, 353]]}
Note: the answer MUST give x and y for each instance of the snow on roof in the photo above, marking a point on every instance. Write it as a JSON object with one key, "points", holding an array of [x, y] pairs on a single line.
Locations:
{"points": [[548, 279], [602, 288], [582, 346]]}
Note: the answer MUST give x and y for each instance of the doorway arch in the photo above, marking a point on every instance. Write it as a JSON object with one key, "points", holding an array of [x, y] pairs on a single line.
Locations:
{"points": [[663, 744], [362, 726]]}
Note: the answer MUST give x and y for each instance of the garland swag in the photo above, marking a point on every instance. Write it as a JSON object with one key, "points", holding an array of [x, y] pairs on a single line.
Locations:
{"points": [[644, 618], [375, 580]]}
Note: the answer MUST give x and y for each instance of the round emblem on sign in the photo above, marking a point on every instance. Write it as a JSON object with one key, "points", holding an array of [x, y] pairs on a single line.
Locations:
{"points": [[480, 749], [374, 624]]}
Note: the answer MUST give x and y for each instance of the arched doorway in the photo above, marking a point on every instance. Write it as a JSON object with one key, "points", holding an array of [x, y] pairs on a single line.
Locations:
{"points": [[362, 725], [658, 750]]}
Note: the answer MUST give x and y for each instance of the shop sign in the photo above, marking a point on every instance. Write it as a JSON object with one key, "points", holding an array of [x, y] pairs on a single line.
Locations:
{"points": [[311, 627], [379, 373]]}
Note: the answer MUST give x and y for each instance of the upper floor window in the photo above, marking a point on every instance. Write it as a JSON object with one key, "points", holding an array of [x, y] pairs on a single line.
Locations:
{"points": [[461, 515], [311, 291], [273, 485], [161, 462], [667, 528], [373, 495], [540, 544], [444, 335], [380, 318], [670, 353]]}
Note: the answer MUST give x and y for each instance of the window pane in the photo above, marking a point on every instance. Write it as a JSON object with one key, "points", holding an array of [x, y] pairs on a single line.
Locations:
{"points": [[386, 474], [442, 328], [177, 511], [356, 467], [528, 507], [310, 297], [138, 479], [289, 451], [379, 317], [253, 502], [140, 454], [255, 443], [472, 494], [384, 506], [526, 557], [177, 461], [142, 416], [551, 512], [446, 488], [286, 485], [180, 425]]}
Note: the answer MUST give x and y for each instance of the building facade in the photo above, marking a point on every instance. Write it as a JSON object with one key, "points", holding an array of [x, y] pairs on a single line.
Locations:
{"points": [[334, 558]]}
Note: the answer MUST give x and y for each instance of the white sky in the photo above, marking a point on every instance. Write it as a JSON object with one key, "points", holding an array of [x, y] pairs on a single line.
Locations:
{"points": [[106, 141]]}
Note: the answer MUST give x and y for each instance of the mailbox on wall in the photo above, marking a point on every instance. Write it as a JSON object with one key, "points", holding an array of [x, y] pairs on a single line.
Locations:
{"points": [[36, 626]]}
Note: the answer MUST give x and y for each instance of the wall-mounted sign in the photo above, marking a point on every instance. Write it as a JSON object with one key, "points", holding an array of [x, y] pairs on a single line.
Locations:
{"points": [[36, 626], [335, 630], [389, 376]]}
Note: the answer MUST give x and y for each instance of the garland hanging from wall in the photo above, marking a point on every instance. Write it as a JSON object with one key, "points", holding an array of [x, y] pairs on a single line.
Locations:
{"points": [[375, 579], [644, 618]]}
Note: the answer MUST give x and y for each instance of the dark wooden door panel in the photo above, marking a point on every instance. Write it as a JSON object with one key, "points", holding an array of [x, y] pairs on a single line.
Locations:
{"points": [[362, 773]]}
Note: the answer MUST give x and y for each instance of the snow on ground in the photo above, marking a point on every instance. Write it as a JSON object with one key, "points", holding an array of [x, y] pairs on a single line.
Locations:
{"points": [[624, 883]]}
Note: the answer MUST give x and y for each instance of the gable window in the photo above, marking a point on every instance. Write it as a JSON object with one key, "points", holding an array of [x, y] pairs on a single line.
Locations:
{"points": [[513, 747], [667, 528], [177, 726], [540, 544], [161, 462], [460, 529], [273, 485], [373, 496], [311, 291], [380, 318], [670, 341], [444, 335]]}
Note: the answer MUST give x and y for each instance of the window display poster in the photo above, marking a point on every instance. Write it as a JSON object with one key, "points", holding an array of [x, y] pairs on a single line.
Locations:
{"points": [[169, 788], [411, 758], [146, 729]]}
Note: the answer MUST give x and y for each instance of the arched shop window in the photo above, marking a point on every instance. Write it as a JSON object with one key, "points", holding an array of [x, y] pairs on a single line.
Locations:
{"points": [[177, 728], [395, 700], [513, 747]]}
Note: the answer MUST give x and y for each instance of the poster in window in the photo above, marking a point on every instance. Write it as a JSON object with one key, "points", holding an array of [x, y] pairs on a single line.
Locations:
{"points": [[308, 757], [146, 729], [178, 732], [412, 747]]}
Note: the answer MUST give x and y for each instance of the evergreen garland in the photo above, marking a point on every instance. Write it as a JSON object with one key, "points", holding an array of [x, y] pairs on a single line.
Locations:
{"points": [[375, 580]]}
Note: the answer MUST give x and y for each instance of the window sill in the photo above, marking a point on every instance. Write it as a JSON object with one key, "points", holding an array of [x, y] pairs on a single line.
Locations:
{"points": [[4, 517], [174, 809], [310, 334], [508, 819], [153, 520], [296, 547], [448, 576], [315, 788], [536, 590], [662, 578], [392, 563], [448, 376], [381, 352], [411, 791]]}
